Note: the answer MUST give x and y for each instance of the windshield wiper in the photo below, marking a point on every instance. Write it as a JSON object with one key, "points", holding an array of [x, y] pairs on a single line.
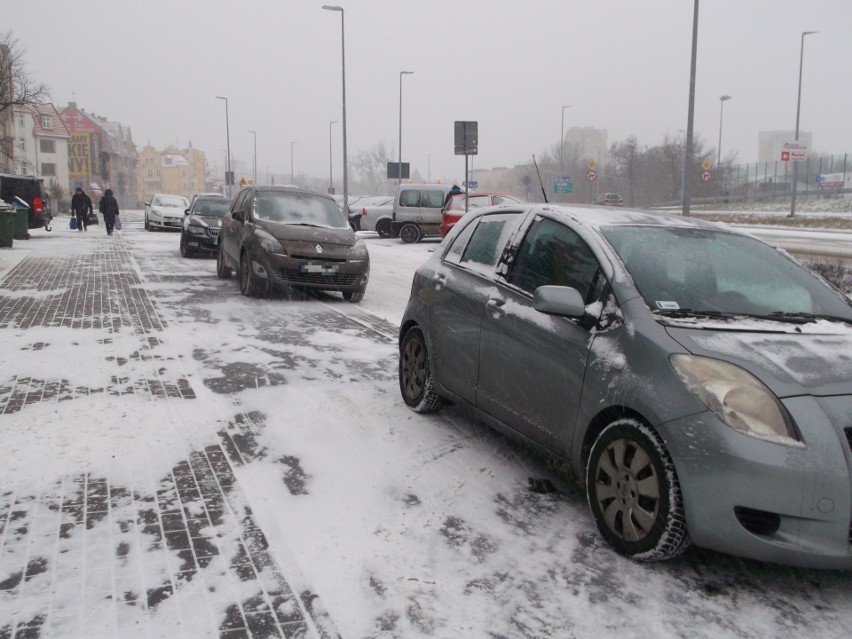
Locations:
{"points": [[688, 312], [804, 318]]}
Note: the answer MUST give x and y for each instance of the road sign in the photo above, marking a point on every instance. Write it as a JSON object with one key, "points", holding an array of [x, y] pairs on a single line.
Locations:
{"points": [[591, 164], [705, 165], [563, 184], [466, 137], [706, 176], [591, 175], [794, 152], [472, 184], [393, 170]]}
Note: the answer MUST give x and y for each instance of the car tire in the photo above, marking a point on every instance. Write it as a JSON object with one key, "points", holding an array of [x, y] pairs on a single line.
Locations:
{"points": [[353, 296], [410, 233], [634, 493], [250, 284], [223, 271], [415, 374], [384, 228], [146, 225], [185, 251]]}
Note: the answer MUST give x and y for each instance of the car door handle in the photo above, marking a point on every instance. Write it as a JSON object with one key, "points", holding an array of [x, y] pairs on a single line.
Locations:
{"points": [[495, 307], [439, 281]]}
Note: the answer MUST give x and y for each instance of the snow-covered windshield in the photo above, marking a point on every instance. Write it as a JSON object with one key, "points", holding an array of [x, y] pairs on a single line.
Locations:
{"points": [[679, 269], [299, 208], [170, 201]]}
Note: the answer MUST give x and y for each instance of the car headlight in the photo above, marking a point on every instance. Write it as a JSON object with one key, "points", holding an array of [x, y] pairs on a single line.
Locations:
{"points": [[269, 243], [736, 397], [358, 252], [197, 228]]}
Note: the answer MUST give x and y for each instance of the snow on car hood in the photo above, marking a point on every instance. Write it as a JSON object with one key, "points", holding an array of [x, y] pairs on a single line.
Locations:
{"points": [[789, 363]]}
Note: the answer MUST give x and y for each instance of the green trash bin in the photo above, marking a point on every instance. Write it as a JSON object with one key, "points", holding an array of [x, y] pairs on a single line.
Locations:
{"points": [[7, 224], [22, 220]]}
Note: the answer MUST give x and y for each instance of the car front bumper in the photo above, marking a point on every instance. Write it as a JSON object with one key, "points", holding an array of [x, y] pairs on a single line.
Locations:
{"points": [[766, 500], [165, 221], [326, 274]]}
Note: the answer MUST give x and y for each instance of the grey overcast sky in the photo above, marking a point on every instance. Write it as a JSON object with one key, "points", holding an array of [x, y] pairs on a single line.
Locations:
{"points": [[622, 65]]}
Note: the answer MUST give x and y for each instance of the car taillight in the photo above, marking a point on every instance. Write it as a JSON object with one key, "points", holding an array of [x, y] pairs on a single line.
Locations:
{"points": [[37, 205], [364, 211]]}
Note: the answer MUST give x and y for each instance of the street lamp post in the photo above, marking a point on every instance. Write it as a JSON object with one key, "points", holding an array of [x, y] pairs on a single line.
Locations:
{"points": [[254, 160], [562, 138], [722, 100], [798, 110], [330, 160], [292, 173], [228, 176], [686, 185], [399, 166], [343, 68]]}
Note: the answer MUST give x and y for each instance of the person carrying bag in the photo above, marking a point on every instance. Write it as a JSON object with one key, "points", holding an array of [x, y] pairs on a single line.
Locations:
{"points": [[109, 209]]}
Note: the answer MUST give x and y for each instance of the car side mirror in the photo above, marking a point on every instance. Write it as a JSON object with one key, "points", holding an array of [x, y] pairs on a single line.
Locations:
{"points": [[559, 300], [237, 215], [186, 212]]}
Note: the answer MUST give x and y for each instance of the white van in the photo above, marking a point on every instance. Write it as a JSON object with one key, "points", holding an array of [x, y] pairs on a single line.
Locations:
{"points": [[417, 210]]}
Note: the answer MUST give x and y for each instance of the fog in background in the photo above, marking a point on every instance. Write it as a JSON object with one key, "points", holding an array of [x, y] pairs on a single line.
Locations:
{"points": [[623, 65]]}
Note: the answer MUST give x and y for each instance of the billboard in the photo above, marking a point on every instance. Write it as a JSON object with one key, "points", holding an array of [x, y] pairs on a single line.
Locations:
{"points": [[79, 155]]}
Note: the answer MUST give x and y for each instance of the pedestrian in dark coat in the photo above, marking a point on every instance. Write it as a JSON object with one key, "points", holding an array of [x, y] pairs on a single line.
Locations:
{"points": [[109, 209], [456, 190], [81, 206]]}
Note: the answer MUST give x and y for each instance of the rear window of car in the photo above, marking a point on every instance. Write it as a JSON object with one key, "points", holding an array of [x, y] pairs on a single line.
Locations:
{"points": [[481, 243], [299, 208]]}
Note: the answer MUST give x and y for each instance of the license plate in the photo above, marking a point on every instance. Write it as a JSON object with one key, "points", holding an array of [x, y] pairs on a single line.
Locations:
{"points": [[324, 269]]}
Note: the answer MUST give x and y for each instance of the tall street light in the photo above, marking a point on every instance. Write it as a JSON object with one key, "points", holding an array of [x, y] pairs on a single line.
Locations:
{"points": [[343, 59], [399, 166], [228, 178], [722, 100], [330, 160], [690, 118], [798, 110], [254, 161], [562, 138], [292, 173]]}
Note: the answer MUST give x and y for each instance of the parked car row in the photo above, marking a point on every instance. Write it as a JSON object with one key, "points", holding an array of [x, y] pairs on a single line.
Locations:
{"points": [[696, 380]]}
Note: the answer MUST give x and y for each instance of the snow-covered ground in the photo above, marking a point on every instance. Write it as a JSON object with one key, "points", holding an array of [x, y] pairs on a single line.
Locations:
{"points": [[402, 525]]}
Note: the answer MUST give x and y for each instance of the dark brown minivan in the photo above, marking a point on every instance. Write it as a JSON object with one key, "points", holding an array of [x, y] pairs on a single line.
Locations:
{"points": [[283, 236]]}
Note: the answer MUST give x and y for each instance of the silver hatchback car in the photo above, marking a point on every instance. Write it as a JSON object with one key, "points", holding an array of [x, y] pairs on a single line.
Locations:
{"points": [[697, 380]]}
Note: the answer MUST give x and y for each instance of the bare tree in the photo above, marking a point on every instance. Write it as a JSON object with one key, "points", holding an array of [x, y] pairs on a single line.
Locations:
{"points": [[371, 165], [17, 89]]}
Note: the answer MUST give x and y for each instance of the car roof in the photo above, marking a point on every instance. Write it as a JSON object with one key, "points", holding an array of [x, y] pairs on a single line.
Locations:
{"points": [[597, 218], [291, 189]]}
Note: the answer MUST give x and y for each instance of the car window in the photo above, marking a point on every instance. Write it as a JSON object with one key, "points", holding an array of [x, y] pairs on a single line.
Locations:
{"points": [[505, 199], [432, 199], [480, 244], [217, 207], [710, 270], [238, 200], [410, 197], [553, 254], [171, 201], [298, 208]]}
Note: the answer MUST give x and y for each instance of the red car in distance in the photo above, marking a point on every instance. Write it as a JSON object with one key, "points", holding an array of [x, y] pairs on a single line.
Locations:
{"points": [[455, 208]]}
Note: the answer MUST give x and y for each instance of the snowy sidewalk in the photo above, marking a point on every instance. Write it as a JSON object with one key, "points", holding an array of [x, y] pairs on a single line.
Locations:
{"points": [[95, 540]]}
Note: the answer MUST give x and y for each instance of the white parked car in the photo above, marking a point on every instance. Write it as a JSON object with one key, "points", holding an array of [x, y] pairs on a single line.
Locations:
{"points": [[375, 214], [165, 212]]}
